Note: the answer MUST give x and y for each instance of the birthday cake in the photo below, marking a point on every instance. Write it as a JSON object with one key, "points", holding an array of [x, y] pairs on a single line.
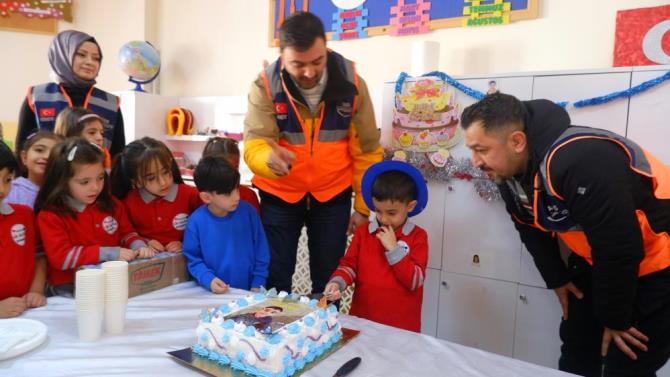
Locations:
{"points": [[267, 334], [425, 117]]}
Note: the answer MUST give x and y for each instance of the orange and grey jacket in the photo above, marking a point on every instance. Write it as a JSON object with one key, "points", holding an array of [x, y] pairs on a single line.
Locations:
{"points": [[333, 148], [604, 196]]}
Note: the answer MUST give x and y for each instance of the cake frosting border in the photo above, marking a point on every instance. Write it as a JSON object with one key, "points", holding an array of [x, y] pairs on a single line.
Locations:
{"points": [[293, 352]]}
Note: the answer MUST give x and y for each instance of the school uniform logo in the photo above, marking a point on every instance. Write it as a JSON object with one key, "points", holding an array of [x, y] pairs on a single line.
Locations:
{"points": [[110, 225], [180, 220], [19, 234]]}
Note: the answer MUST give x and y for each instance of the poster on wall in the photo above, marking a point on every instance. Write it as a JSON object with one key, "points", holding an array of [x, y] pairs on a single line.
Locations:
{"points": [[425, 116], [34, 16], [642, 37], [353, 19]]}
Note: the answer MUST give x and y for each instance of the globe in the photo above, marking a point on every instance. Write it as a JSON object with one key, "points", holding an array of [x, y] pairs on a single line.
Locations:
{"points": [[140, 61]]}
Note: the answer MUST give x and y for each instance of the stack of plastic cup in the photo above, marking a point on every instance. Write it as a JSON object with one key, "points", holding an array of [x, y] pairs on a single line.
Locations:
{"points": [[116, 295], [90, 303]]}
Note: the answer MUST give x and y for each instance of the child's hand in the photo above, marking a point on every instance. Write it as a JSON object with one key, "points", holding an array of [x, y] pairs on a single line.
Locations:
{"points": [[386, 236], [332, 292], [127, 254], [145, 252], [218, 286], [174, 247], [34, 299], [12, 307], [156, 245], [255, 290]]}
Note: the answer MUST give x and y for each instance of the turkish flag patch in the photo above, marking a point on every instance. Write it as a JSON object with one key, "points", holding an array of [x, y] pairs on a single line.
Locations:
{"points": [[281, 108], [48, 112]]}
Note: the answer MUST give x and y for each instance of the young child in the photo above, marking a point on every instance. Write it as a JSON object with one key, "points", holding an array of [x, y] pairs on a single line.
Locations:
{"points": [[32, 163], [227, 149], [146, 178], [224, 242], [21, 279], [80, 122], [79, 221], [387, 257]]}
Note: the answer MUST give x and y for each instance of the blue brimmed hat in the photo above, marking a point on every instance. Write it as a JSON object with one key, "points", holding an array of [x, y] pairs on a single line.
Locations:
{"points": [[373, 172]]}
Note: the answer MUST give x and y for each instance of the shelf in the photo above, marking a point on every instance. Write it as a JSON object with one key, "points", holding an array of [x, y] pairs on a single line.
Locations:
{"points": [[188, 138]]}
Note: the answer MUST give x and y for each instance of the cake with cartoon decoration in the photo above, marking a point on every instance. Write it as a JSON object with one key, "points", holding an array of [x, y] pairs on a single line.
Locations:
{"points": [[425, 117], [268, 334]]}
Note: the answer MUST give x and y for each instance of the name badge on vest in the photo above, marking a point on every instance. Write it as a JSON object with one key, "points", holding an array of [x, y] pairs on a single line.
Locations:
{"points": [[344, 109], [281, 108]]}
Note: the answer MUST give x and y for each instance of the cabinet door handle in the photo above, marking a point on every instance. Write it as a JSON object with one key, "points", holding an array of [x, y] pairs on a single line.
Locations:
{"points": [[523, 299], [444, 284]]}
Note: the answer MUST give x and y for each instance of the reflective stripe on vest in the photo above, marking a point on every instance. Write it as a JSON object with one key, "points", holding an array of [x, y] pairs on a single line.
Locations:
{"points": [[48, 100], [550, 212]]}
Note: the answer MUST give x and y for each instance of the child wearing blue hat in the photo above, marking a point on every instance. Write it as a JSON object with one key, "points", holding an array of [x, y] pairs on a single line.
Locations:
{"points": [[387, 256]]}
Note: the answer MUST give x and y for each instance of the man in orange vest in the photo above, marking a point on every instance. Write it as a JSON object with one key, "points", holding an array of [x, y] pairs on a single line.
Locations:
{"points": [[607, 199], [309, 134]]}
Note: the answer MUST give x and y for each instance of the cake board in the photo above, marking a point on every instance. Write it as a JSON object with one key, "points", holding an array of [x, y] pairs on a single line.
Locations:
{"points": [[208, 367]]}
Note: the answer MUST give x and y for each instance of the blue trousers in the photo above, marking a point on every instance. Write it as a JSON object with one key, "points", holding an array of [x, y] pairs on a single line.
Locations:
{"points": [[326, 224]]}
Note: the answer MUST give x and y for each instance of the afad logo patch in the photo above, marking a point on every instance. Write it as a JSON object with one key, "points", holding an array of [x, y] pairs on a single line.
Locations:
{"points": [[48, 112]]}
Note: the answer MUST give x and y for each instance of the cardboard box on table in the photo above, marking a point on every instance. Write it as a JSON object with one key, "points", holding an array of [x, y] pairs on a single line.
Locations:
{"points": [[148, 275]]}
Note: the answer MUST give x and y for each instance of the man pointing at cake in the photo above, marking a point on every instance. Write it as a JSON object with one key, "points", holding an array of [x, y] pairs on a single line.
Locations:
{"points": [[309, 133]]}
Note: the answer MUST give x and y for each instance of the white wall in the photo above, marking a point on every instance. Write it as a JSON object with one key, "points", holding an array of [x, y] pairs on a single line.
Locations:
{"points": [[216, 47], [24, 55]]}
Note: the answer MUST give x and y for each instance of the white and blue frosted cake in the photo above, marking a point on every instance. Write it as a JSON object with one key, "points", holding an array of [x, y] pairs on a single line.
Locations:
{"points": [[267, 334]]}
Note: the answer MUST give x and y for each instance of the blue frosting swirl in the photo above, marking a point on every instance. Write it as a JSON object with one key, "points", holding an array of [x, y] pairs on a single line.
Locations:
{"points": [[293, 328], [228, 324], [250, 331]]}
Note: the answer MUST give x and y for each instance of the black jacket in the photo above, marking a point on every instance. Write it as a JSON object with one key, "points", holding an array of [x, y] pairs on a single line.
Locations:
{"points": [[602, 194]]}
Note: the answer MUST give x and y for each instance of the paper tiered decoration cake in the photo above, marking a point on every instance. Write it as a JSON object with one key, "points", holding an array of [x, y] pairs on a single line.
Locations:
{"points": [[425, 117]]}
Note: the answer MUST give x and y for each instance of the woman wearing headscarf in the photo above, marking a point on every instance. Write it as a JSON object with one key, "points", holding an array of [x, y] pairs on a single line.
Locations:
{"points": [[75, 59]]}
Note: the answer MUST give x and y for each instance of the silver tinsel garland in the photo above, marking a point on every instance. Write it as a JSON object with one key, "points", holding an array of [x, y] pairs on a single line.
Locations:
{"points": [[455, 168]]}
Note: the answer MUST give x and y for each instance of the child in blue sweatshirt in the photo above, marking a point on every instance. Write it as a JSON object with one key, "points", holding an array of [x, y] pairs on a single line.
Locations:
{"points": [[224, 241]]}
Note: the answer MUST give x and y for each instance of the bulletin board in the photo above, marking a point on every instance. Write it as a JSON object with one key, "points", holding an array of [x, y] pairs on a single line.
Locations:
{"points": [[34, 16], [443, 13]]}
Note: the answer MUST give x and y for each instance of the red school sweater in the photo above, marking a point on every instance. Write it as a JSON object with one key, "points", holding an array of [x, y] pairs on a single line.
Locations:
{"points": [[389, 285], [162, 218], [249, 196], [17, 250], [90, 236]]}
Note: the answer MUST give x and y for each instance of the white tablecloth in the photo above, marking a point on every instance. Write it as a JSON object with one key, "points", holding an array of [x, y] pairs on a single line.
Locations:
{"points": [[165, 320]]}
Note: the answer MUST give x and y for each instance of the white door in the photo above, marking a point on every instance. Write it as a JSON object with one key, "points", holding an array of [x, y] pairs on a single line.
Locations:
{"points": [[538, 316], [649, 117], [477, 312], [431, 296], [529, 274], [479, 236], [572, 87], [432, 221]]}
